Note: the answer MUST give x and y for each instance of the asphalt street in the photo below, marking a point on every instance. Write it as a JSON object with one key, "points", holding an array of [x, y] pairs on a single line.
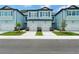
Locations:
{"points": [[24, 46]]}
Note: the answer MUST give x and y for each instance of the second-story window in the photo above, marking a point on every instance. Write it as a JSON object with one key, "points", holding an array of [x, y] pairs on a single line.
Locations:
{"points": [[5, 13], [11, 13], [73, 13], [40, 14], [69, 13], [48, 13], [77, 13], [29, 14], [44, 13]]}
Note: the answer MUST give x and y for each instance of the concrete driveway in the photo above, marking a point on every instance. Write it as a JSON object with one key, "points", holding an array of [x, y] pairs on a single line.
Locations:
{"points": [[48, 33], [45, 33], [29, 33]]}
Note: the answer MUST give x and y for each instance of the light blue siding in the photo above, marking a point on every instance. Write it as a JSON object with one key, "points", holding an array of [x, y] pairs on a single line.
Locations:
{"points": [[7, 23], [71, 20], [20, 19], [58, 20], [8, 19]]}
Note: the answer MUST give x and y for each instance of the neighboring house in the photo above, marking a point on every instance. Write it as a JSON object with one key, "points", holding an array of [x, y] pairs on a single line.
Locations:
{"points": [[70, 17], [9, 18], [39, 18]]}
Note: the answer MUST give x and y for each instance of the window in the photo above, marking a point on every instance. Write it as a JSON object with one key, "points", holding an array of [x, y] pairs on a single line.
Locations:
{"points": [[40, 14], [5, 13], [77, 13], [43, 13], [2, 13], [29, 14], [48, 13], [11, 13], [68, 13], [37, 14], [73, 13]]}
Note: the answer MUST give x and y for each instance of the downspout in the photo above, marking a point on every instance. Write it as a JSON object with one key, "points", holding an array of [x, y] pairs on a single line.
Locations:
{"points": [[15, 19], [62, 19]]}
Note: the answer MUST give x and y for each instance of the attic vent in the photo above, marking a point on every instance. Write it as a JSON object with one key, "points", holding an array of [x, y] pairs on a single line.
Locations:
{"points": [[72, 7], [45, 8], [6, 7]]}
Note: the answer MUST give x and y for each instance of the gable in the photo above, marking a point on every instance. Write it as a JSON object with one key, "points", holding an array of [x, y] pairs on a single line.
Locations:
{"points": [[73, 7], [45, 8], [7, 8]]}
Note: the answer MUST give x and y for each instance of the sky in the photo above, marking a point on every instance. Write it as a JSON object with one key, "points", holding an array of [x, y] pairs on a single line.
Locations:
{"points": [[28, 7]]}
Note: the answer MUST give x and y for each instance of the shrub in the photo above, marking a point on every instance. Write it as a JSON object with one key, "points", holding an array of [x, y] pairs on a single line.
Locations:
{"points": [[18, 26]]}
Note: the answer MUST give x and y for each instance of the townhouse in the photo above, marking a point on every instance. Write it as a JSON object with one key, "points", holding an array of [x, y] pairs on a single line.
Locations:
{"points": [[9, 17], [42, 18], [68, 19]]}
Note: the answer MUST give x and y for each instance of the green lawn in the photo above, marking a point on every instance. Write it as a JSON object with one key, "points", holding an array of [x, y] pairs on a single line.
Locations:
{"points": [[13, 33], [39, 33], [66, 33]]}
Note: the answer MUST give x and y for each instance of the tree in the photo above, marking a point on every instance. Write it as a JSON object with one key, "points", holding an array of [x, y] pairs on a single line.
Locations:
{"points": [[63, 25], [18, 26]]}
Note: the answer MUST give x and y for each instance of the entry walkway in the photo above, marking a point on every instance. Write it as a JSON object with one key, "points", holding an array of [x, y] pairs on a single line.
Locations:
{"points": [[48, 33], [32, 33]]}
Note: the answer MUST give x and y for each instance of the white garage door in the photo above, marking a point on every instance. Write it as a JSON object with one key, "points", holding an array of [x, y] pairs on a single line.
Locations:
{"points": [[45, 25], [32, 25], [73, 26], [45, 28], [32, 28], [6, 27]]}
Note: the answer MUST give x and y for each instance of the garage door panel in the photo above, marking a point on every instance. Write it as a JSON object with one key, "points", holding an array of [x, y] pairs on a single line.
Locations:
{"points": [[72, 28], [45, 25], [6, 27]]}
